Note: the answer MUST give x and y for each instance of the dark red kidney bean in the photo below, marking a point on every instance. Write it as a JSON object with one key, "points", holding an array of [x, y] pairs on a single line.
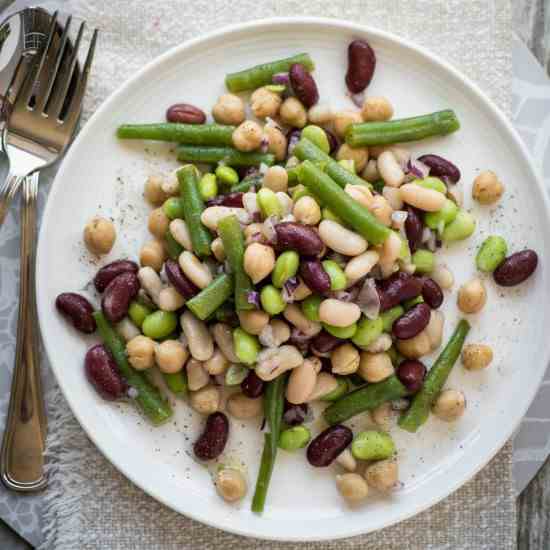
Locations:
{"points": [[212, 441], [299, 339], [102, 372], [295, 414], [230, 199], [324, 342], [414, 227], [432, 293], [333, 141], [412, 322], [301, 238], [441, 167], [411, 373], [516, 268], [292, 138], [78, 310], [361, 65], [326, 364], [108, 272], [397, 288], [314, 275], [185, 113], [118, 295], [328, 445], [252, 386], [181, 283], [303, 85]]}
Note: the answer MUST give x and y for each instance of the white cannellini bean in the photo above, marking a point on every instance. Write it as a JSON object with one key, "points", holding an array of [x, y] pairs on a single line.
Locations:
{"points": [[197, 272], [325, 384], [360, 266], [196, 332], [211, 216], [170, 299], [197, 377], [180, 232], [360, 193], [347, 460], [224, 338], [340, 239], [393, 196], [293, 314], [338, 313], [127, 329], [428, 200], [391, 250], [301, 383], [370, 173], [443, 276], [434, 329], [401, 154], [171, 185], [390, 169], [149, 280]]}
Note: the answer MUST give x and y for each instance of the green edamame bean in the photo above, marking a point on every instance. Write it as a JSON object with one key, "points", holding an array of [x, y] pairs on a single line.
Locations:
{"points": [[409, 304], [173, 208], [286, 267], [389, 316], [368, 331], [272, 300], [138, 312], [372, 445], [432, 182], [338, 280], [443, 217], [276, 88], [491, 253], [327, 214], [460, 228], [339, 391], [227, 176], [310, 307], [246, 346], [235, 374], [208, 186], [405, 252], [317, 135], [269, 203], [159, 324], [348, 164], [341, 332], [294, 438], [424, 260]]}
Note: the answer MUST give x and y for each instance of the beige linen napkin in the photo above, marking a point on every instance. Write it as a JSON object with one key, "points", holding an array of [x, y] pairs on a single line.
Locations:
{"points": [[90, 505]]}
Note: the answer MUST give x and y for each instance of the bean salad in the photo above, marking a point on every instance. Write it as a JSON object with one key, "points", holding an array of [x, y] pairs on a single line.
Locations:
{"points": [[294, 261]]}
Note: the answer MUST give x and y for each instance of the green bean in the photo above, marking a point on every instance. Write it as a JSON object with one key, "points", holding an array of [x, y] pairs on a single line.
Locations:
{"points": [[149, 399], [368, 331], [176, 382], [274, 401], [191, 134], [272, 300], [209, 299], [159, 324], [322, 186], [364, 399], [208, 186], [173, 208], [401, 130], [389, 316], [338, 280], [231, 235], [246, 184], [422, 402], [424, 260], [286, 267], [306, 150], [372, 445], [411, 302], [294, 438], [173, 248], [193, 206], [339, 391], [227, 155], [341, 332], [138, 312], [262, 75], [491, 253], [318, 136], [246, 346], [310, 307]]}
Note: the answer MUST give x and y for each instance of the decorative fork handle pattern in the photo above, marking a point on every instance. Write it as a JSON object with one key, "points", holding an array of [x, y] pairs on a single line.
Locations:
{"points": [[7, 192], [22, 455]]}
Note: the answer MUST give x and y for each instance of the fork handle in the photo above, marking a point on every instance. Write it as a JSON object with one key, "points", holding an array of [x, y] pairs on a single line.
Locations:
{"points": [[7, 192], [22, 458]]}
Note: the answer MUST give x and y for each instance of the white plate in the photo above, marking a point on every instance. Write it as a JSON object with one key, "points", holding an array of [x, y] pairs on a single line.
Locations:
{"points": [[105, 175]]}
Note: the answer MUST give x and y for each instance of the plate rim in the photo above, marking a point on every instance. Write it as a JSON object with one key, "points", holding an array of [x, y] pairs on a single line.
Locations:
{"points": [[272, 23]]}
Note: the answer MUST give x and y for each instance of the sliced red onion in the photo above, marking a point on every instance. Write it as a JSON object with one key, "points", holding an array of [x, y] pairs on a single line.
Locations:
{"points": [[268, 229], [256, 238], [417, 169], [358, 99], [264, 145], [289, 287], [253, 297], [368, 299], [293, 138], [281, 78]]}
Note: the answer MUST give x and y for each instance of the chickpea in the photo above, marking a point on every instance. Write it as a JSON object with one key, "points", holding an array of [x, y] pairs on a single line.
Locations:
{"points": [[229, 110], [414, 348], [99, 235], [375, 367], [170, 356], [450, 405], [171, 186], [382, 475], [352, 487], [476, 356], [206, 400], [359, 155], [376, 109], [259, 261], [276, 142], [382, 416], [218, 250], [242, 407], [472, 296], [248, 136], [343, 119], [153, 190], [307, 211], [217, 364], [487, 188], [293, 113], [276, 179], [344, 359], [230, 484], [265, 103], [152, 254], [141, 352], [252, 232], [253, 321], [158, 223]]}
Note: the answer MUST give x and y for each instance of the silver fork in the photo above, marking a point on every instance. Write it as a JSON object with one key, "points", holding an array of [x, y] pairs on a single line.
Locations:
{"points": [[40, 127]]}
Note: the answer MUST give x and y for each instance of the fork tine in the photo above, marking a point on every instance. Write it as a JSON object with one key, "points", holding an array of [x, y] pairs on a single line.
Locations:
{"points": [[63, 81], [75, 106]]}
